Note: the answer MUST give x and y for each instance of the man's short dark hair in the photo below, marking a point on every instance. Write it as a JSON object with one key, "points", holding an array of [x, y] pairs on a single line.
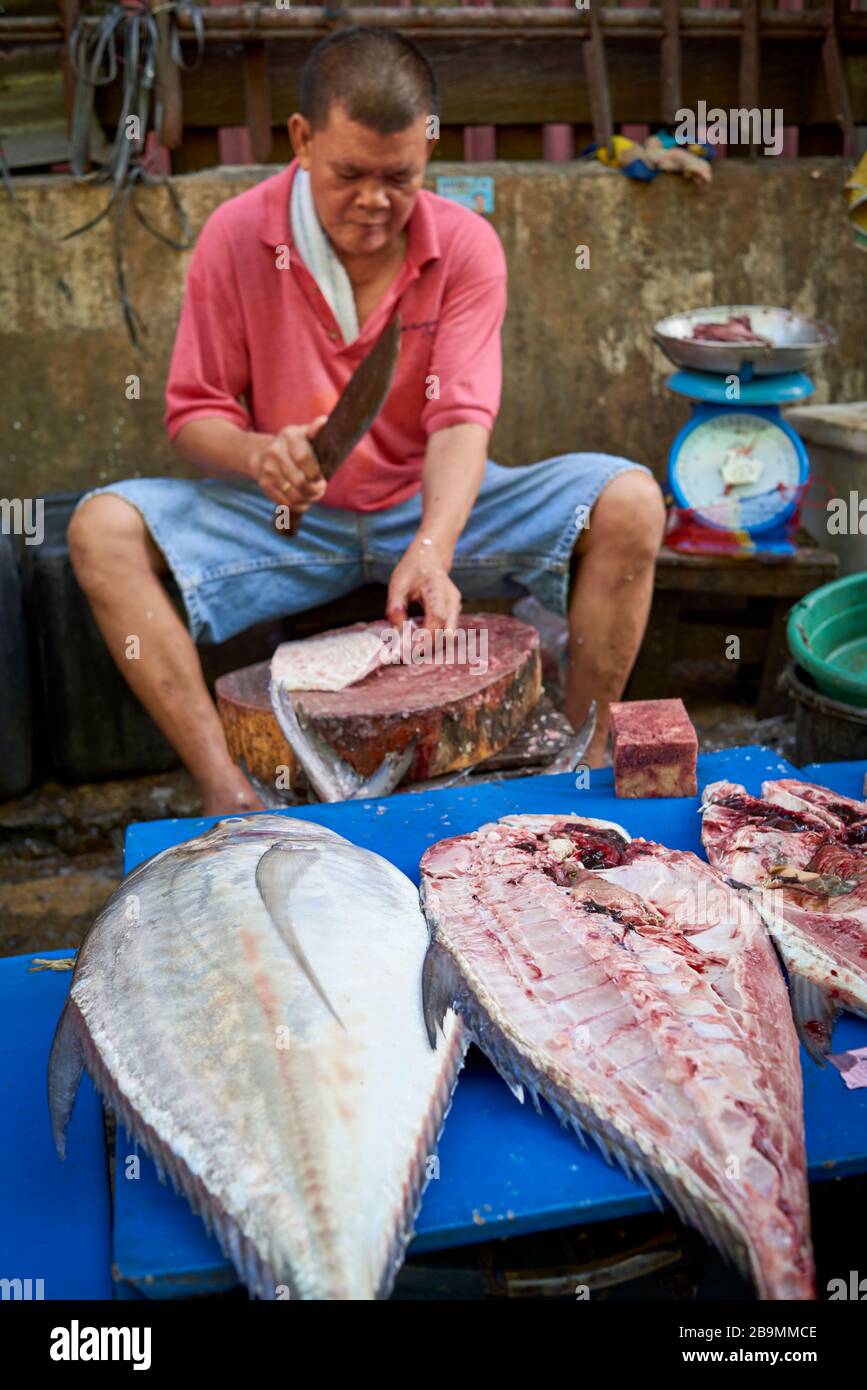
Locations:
{"points": [[379, 77]]}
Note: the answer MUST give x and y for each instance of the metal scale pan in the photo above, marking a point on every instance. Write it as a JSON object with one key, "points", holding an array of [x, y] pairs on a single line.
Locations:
{"points": [[795, 342]]}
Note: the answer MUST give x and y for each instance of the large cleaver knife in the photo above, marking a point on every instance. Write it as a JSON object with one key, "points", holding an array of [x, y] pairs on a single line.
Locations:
{"points": [[359, 404]]}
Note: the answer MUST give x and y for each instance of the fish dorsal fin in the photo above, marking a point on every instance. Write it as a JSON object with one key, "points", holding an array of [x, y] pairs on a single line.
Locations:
{"points": [[277, 875]]}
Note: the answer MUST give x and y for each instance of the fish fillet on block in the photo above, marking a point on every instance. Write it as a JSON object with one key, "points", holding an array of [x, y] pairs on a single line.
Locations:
{"points": [[249, 1003], [801, 851], [639, 994]]}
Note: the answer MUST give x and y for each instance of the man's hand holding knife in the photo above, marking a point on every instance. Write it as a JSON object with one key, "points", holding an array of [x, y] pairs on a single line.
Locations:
{"points": [[293, 468], [286, 468]]}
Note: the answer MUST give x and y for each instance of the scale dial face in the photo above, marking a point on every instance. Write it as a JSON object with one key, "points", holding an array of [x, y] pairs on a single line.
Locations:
{"points": [[738, 470]]}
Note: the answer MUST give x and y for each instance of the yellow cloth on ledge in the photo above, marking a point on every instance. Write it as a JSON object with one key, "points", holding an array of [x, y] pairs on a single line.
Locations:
{"points": [[856, 196]]}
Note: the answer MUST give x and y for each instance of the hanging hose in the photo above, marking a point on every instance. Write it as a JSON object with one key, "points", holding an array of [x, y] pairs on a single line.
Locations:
{"points": [[126, 39]]}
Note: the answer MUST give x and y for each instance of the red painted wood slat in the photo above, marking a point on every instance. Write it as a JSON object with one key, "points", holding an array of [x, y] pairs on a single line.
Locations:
{"points": [[558, 138], [634, 130], [791, 133], [480, 141], [235, 142]]}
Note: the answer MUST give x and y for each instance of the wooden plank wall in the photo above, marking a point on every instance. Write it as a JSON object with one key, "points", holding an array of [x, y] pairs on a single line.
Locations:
{"points": [[507, 94], [517, 98]]}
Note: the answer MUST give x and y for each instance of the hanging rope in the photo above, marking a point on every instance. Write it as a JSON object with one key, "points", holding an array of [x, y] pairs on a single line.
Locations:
{"points": [[126, 40]]}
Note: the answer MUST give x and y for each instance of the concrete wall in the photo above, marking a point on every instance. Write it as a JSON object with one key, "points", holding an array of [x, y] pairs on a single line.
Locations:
{"points": [[581, 369]]}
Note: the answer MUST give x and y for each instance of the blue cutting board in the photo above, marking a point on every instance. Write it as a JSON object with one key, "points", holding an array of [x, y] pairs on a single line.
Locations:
{"points": [[503, 1169], [54, 1217]]}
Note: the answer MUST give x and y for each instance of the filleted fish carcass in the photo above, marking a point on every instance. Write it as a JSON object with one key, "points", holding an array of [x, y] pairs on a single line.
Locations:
{"points": [[639, 995], [800, 851]]}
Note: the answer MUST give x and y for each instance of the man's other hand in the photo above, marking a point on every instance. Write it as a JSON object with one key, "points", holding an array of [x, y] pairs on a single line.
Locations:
{"points": [[286, 468], [423, 575]]}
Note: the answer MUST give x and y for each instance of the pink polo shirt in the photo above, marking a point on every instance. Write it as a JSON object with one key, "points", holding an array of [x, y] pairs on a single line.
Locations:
{"points": [[259, 345]]}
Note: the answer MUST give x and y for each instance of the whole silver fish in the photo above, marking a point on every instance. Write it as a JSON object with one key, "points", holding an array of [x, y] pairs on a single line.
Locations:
{"points": [[249, 1003]]}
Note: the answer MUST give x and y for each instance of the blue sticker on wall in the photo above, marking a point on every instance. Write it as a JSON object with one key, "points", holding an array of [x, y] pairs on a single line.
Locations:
{"points": [[475, 193]]}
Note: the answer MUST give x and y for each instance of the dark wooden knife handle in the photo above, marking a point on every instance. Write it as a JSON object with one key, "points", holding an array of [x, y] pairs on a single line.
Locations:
{"points": [[294, 523]]}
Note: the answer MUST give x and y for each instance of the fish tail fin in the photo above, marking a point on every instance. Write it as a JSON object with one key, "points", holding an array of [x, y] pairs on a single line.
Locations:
{"points": [[65, 1065], [571, 754], [389, 774], [277, 874], [815, 1014], [440, 984], [266, 794], [308, 747], [331, 777]]}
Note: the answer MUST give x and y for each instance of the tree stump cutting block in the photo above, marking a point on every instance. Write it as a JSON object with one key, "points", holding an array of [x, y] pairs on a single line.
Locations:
{"points": [[460, 713]]}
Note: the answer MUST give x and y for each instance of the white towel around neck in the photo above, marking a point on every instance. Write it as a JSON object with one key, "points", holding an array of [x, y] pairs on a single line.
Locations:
{"points": [[320, 258]]}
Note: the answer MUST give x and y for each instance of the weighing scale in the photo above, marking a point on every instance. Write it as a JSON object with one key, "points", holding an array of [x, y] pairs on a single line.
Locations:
{"points": [[738, 465]]}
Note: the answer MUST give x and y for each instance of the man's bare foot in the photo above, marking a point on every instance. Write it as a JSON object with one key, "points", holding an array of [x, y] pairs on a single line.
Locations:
{"points": [[232, 795]]}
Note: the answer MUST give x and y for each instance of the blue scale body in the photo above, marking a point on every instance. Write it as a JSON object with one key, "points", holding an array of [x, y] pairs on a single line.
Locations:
{"points": [[762, 397]]}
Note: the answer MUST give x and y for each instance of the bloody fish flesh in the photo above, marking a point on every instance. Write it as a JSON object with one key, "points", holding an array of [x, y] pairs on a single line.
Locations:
{"points": [[635, 991], [801, 850]]}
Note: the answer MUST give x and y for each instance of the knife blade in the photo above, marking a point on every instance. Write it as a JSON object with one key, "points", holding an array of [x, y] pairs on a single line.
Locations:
{"points": [[357, 407]]}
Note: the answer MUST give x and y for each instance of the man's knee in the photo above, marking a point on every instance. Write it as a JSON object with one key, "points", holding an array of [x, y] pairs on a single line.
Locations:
{"points": [[629, 517], [107, 537]]}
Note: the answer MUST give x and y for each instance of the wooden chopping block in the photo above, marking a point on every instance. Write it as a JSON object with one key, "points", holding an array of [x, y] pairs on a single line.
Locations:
{"points": [[460, 713]]}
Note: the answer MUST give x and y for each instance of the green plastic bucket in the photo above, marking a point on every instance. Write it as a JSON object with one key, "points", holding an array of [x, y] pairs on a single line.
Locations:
{"points": [[827, 635]]}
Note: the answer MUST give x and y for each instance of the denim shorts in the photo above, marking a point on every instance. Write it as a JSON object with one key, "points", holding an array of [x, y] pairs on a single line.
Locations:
{"points": [[233, 569]]}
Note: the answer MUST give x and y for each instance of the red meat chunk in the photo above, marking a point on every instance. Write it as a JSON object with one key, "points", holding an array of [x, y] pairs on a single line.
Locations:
{"points": [[655, 748], [737, 329]]}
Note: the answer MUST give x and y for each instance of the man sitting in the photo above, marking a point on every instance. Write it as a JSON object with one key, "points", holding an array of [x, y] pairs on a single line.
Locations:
{"points": [[289, 287]]}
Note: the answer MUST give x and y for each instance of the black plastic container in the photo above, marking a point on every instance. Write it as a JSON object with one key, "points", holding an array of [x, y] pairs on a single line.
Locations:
{"points": [[826, 730], [91, 725], [16, 708]]}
